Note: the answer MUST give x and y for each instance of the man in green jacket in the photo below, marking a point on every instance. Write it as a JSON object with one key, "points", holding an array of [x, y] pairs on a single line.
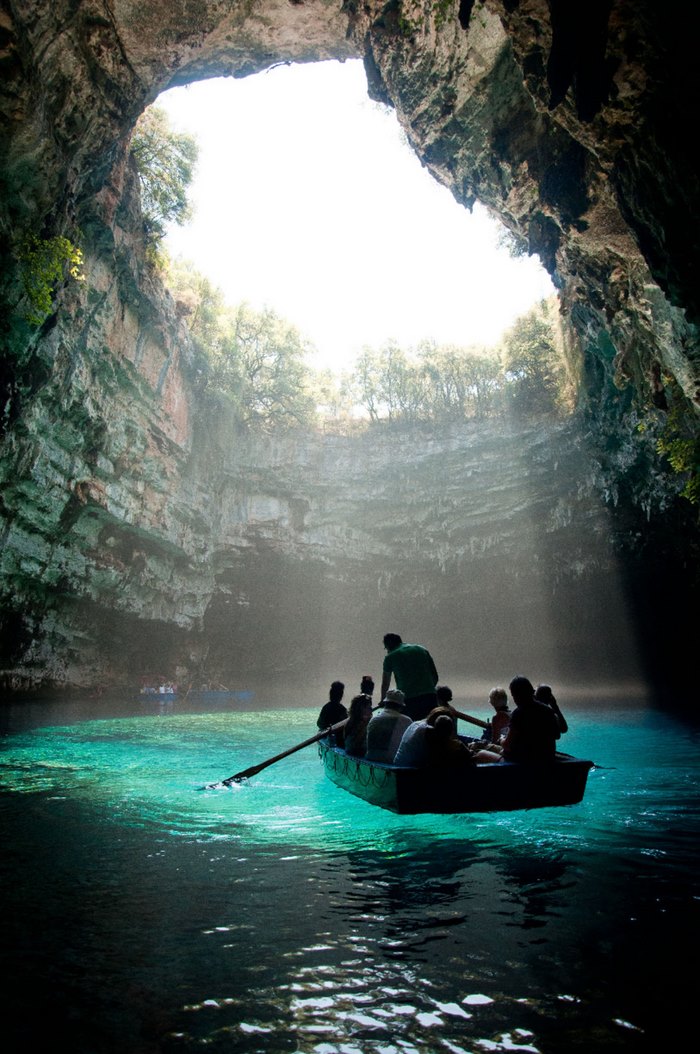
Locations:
{"points": [[414, 674]]}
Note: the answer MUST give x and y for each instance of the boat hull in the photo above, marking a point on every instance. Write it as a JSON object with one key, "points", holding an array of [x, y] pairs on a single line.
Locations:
{"points": [[499, 787]]}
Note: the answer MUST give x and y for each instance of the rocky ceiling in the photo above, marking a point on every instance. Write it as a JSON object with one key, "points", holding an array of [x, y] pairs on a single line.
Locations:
{"points": [[573, 122]]}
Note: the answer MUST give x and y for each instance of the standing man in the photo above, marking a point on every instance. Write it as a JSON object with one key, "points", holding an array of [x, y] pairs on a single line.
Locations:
{"points": [[414, 674]]}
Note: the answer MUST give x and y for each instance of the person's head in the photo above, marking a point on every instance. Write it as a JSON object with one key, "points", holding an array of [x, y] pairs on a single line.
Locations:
{"points": [[360, 707], [392, 641], [543, 694], [366, 685], [444, 694], [336, 691], [498, 697], [521, 689], [394, 699], [445, 727], [437, 712]]}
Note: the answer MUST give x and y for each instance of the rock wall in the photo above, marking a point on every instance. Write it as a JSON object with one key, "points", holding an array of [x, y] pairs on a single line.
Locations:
{"points": [[127, 530], [244, 556]]}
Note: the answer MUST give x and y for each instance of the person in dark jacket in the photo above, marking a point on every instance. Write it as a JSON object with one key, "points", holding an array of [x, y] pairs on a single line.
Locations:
{"points": [[333, 711], [543, 694], [534, 730]]}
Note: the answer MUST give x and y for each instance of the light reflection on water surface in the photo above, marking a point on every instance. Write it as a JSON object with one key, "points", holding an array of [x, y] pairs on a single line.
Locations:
{"points": [[147, 913]]}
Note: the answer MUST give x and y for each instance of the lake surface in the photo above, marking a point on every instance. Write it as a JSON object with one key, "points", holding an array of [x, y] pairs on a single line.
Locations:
{"points": [[144, 913]]}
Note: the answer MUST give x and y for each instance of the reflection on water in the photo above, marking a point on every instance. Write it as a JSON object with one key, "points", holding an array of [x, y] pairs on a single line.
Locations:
{"points": [[145, 913]]}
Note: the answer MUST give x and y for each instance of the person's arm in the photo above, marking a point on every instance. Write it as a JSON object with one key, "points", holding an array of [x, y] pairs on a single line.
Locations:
{"points": [[561, 720], [511, 739], [386, 681]]}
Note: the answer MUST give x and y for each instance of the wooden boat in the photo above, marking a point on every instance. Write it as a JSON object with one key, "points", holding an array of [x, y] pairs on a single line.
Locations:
{"points": [[499, 787]]}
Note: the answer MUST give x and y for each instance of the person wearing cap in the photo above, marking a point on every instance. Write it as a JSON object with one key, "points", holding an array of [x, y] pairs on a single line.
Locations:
{"points": [[414, 674], [386, 728]]}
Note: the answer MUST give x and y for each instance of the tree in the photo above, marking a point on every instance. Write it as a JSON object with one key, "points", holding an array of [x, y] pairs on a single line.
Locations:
{"points": [[362, 386], [200, 303], [461, 382], [259, 364], [533, 362], [401, 384], [165, 161]]}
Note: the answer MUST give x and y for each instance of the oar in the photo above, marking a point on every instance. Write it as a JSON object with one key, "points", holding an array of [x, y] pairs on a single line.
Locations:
{"points": [[254, 769], [466, 717]]}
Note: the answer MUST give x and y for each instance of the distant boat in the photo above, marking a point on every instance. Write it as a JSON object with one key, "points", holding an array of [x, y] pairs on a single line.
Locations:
{"points": [[498, 787], [169, 692], [155, 690]]}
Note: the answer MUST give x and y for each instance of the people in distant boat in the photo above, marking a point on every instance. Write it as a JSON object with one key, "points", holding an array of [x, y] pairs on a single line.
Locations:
{"points": [[534, 729], [543, 694], [356, 727], [414, 674], [386, 728], [333, 711]]}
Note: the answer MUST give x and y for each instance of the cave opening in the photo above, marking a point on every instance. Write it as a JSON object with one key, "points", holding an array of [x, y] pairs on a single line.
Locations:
{"points": [[104, 426], [309, 606]]}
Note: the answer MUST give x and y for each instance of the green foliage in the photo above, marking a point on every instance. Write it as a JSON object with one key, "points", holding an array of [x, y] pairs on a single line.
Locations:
{"points": [[462, 382], [414, 15], [515, 245], [253, 358], [534, 364], [257, 361], [433, 383], [200, 302], [165, 162], [44, 264], [259, 364], [682, 450]]}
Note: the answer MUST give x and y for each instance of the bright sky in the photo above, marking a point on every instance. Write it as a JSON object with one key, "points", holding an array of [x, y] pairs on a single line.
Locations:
{"points": [[308, 200]]}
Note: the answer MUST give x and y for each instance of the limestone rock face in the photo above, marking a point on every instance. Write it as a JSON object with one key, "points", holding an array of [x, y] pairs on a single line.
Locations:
{"points": [[120, 506]]}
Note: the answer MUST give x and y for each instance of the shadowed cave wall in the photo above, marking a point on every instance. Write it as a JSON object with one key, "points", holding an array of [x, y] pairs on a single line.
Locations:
{"points": [[570, 122]]}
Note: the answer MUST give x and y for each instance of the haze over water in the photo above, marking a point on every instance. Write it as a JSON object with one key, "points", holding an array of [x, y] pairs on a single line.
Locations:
{"points": [[144, 913]]}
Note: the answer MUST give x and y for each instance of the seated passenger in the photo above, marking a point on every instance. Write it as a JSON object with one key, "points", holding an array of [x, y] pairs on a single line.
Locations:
{"points": [[444, 695], [414, 747], [534, 729], [333, 711], [543, 694], [446, 750], [386, 728], [498, 725], [356, 728]]}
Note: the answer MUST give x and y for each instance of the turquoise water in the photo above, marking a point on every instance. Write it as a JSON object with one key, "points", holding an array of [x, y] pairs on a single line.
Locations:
{"points": [[145, 912]]}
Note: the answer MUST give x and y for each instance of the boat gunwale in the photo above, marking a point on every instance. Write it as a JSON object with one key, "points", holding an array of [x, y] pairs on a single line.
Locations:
{"points": [[410, 790]]}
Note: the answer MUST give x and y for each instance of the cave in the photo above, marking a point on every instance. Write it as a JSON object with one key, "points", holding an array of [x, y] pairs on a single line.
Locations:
{"points": [[571, 123]]}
